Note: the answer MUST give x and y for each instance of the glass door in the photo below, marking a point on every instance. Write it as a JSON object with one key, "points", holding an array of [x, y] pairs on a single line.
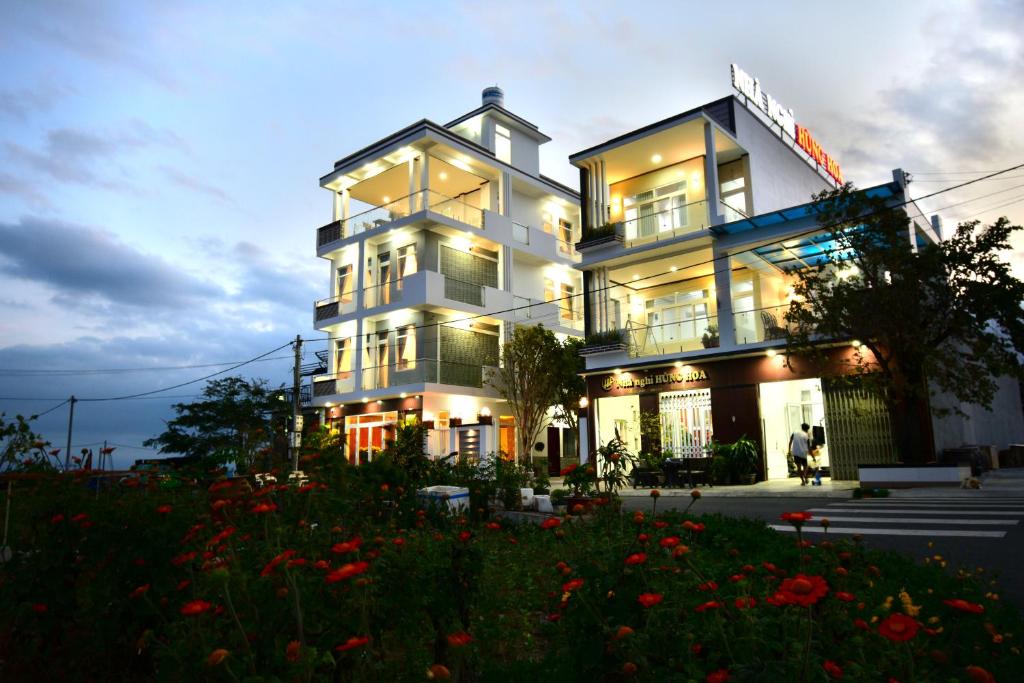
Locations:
{"points": [[384, 278]]}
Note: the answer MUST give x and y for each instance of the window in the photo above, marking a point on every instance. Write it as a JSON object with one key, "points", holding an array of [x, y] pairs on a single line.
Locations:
{"points": [[679, 316], [732, 189], [547, 222], [568, 303], [384, 278], [661, 209], [406, 348], [343, 357], [502, 143], [346, 284], [406, 263], [564, 230]]}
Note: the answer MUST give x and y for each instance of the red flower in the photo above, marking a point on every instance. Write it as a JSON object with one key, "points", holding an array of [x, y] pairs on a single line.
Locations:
{"points": [[898, 627], [660, 524], [297, 562], [40, 608], [629, 668], [183, 558], [493, 526], [655, 493], [778, 599], [979, 675], [550, 523], [964, 606], [293, 651], [708, 586], [183, 584], [217, 656], [832, 669], [568, 470], [460, 639], [321, 564], [636, 558], [352, 643], [670, 542], [195, 608], [272, 565], [398, 541], [861, 624], [347, 571], [140, 591], [719, 676], [650, 599], [220, 537], [263, 508], [804, 590], [845, 597], [438, 672], [79, 518], [711, 604], [797, 519], [347, 546], [622, 632], [164, 509], [554, 617], [465, 536], [695, 527], [570, 586], [745, 603]]}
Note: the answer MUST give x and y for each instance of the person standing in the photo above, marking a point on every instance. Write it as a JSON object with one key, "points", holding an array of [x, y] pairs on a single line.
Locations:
{"points": [[799, 447]]}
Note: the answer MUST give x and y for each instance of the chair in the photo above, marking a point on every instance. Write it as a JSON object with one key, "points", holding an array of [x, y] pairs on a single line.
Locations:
{"points": [[673, 468], [698, 471], [772, 329]]}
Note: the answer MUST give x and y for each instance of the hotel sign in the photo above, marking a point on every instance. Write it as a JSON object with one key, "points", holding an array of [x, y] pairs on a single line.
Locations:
{"points": [[628, 381], [750, 88]]}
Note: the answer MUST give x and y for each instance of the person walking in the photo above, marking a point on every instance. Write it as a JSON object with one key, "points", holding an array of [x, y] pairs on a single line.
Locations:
{"points": [[799, 447]]}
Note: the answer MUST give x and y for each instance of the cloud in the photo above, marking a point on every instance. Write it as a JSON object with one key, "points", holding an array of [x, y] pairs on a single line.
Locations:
{"points": [[196, 185], [86, 265], [13, 185], [22, 103]]}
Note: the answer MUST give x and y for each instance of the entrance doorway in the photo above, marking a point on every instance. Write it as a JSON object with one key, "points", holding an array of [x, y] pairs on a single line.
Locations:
{"points": [[784, 407], [367, 435], [619, 415], [686, 427], [507, 437]]}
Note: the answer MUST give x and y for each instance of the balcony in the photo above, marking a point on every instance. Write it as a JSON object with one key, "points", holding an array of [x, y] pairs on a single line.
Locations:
{"points": [[761, 324], [378, 217], [550, 313], [334, 307], [422, 371], [330, 385], [542, 243], [662, 226], [675, 337]]}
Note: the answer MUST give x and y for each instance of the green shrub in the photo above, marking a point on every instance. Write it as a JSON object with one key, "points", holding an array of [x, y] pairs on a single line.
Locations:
{"points": [[606, 338]]}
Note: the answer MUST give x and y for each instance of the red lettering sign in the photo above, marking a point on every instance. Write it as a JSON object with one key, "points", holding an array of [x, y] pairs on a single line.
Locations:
{"points": [[808, 144]]}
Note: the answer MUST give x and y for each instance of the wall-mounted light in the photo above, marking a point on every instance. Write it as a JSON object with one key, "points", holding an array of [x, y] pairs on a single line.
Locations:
{"points": [[385, 199], [584, 402], [365, 400], [855, 343], [617, 371], [770, 353], [485, 412], [403, 395], [673, 269], [442, 175]]}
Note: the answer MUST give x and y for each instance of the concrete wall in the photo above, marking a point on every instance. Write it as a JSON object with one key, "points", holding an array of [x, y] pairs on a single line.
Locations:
{"points": [[1001, 426], [779, 178]]}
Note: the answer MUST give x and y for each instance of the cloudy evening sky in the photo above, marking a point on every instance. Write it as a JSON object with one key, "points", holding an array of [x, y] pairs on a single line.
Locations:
{"points": [[159, 161]]}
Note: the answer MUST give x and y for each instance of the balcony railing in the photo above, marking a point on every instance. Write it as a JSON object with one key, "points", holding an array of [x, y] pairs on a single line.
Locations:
{"points": [[667, 224], [340, 383], [380, 216], [424, 370], [760, 324], [466, 292], [325, 309], [383, 294], [674, 337], [520, 233]]}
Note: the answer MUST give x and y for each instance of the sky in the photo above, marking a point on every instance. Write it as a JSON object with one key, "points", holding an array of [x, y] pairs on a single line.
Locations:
{"points": [[159, 161]]}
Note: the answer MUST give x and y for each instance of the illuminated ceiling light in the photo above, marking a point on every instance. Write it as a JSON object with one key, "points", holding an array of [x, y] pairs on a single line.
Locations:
{"points": [[679, 364], [636, 277], [365, 400], [417, 397], [855, 343], [584, 402], [328, 404], [386, 199], [673, 269], [656, 159], [770, 353], [485, 411], [442, 175], [617, 371], [379, 401], [402, 395]]}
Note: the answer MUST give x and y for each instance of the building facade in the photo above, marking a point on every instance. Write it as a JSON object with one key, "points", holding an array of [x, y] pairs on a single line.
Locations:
{"points": [[443, 239], [689, 227]]}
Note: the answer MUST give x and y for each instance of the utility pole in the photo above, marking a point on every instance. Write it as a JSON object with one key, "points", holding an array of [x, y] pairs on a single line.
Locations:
{"points": [[71, 424], [296, 433]]}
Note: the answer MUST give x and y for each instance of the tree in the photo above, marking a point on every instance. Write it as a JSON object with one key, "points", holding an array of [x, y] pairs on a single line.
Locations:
{"points": [[945, 315], [528, 379], [234, 422], [21, 449], [571, 385]]}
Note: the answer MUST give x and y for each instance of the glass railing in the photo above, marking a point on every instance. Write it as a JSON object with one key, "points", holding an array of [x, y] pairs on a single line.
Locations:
{"points": [[383, 294], [520, 233], [667, 224], [325, 309], [330, 385], [674, 337], [380, 216], [760, 324], [424, 370]]}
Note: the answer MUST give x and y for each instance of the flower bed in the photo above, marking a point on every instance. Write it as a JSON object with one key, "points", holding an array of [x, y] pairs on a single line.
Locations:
{"points": [[350, 581]]}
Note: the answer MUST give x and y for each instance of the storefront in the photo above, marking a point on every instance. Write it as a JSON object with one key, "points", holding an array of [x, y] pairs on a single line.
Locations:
{"points": [[764, 398]]}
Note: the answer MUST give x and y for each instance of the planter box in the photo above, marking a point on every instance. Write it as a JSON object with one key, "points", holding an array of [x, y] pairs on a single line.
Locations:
{"points": [[544, 504], [455, 497], [908, 476], [526, 497]]}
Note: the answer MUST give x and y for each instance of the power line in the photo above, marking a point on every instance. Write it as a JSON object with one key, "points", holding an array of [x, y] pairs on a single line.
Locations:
{"points": [[713, 259], [50, 410], [24, 372]]}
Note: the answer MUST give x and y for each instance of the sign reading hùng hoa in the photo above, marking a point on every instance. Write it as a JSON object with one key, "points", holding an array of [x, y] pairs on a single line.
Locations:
{"points": [[628, 381]]}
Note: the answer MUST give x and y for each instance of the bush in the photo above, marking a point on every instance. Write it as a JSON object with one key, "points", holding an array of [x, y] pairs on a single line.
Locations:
{"points": [[606, 338]]}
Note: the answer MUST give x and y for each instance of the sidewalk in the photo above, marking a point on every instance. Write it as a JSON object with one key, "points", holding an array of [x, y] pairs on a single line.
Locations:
{"points": [[994, 483], [776, 488]]}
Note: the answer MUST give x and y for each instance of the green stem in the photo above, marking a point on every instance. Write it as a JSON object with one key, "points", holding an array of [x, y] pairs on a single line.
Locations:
{"points": [[238, 623]]}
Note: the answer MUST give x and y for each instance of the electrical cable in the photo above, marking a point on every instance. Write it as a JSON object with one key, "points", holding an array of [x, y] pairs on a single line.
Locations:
{"points": [[22, 372], [50, 410]]}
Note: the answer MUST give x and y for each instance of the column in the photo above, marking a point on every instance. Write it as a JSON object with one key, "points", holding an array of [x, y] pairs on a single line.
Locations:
{"points": [[336, 206], [711, 175], [723, 295], [357, 361], [424, 182], [584, 439], [412, 184], [345, 194]]}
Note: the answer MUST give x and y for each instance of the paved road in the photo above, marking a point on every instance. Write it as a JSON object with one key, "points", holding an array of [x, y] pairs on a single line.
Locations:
{"points": [[986, 532]]}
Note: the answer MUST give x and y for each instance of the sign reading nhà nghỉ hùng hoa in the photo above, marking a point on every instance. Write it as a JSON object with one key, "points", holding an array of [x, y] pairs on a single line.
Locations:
{"points": [[750, 88], [629, 381]]}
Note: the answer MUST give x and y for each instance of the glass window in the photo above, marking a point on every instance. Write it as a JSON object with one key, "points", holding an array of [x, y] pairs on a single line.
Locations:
{"points": [[346, 284], [406, 263], [407, 347], [661, 209], [569, 302], [549, 289], [343, 356], [502, 144]]}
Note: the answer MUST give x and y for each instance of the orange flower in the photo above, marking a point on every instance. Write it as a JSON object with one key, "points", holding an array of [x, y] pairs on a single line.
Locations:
{"points": [[797, 519], [711, 604], [570, 586], [964, 606], [140, 591], [680, 550], [636, 558], [695, 493], [183, 558], [979, 675], [719, 676], [898, 627], [695, 527], [460, 639], [164, 509], [804, 590], [293, 651], [649, 599], [669, 542], [623, 632], [217, 656], [353, 642], [550, 523], [347, 571], [438, 672], [655, 493], [195, 608], [832, 669], [263, 508], [272, 565], [845, 597]]}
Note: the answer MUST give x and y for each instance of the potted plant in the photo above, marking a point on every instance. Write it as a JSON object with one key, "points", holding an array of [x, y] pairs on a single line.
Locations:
{"points": [[581, 482], [616, 462], [743, 461], [710, 338]]}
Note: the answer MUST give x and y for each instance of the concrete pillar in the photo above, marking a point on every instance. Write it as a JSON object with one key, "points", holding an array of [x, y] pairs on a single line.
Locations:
{"points": [[335, 206], [605, 213], [357, 352], [723, 294], [413, 179], [584, 439], [425, 181], [711, 175]]}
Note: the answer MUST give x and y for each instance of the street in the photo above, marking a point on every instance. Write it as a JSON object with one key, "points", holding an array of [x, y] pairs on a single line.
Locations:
{"points": [[967, 533]]}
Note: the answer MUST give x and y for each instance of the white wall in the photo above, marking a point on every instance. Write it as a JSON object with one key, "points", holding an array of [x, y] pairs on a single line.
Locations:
{"points": [[774, 397], [779, 178], [1001, 426]]}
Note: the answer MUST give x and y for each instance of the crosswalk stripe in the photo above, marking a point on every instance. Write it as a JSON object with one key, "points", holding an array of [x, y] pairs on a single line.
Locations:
{"points": [[909, 511], [951, 504], [929, 520], [964, 533]]}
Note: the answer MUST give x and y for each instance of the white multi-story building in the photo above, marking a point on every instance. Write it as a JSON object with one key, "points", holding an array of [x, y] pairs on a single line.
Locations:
{"points": [[442, 239]]}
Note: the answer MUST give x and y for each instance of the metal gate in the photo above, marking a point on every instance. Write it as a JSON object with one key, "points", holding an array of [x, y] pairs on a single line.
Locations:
{"points": [[857, 427], [685, 422]]}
